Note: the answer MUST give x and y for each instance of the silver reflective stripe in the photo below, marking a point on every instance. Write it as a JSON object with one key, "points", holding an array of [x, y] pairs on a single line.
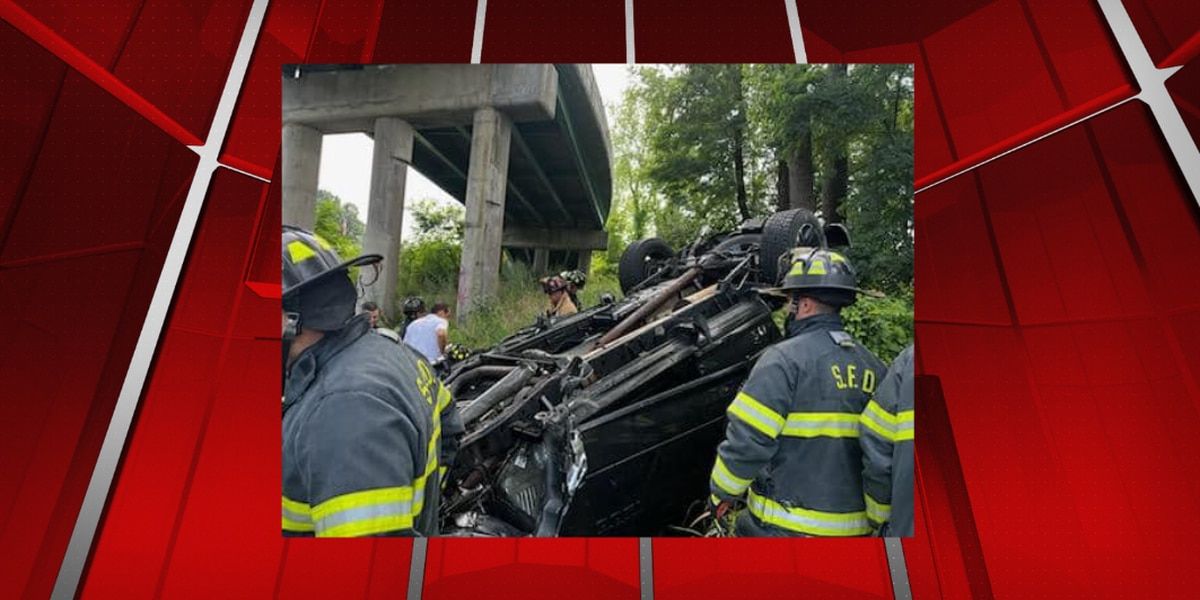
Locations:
{"points": [[362, 513], [727, 484], [884, 425], [297, 517], [755, 411], [832, 426], [779, 515], [877, 510]]}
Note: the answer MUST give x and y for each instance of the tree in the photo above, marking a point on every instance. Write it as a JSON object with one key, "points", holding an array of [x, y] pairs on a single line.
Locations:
{"points": [[781, 103], [431, 258], [697, 144], [879, 205], [697, 148], [837, 176], [338, 223], [630, 217], [434, 221]]}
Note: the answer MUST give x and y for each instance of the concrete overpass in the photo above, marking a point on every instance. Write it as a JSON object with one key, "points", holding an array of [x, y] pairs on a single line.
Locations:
{"points": [[524, 147]]}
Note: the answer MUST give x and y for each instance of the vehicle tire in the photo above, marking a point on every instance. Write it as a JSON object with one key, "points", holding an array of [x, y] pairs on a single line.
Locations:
{"points": [[639, 261], [782, 232]]}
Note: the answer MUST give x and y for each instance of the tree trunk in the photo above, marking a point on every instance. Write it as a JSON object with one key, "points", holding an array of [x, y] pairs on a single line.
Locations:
{"points": [[637, 212], [739, 171], [800, 175], [833, 192], [739, 160], [782, 196]]}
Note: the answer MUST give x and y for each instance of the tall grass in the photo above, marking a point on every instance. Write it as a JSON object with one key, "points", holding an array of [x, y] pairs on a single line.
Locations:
{"points": [[517, 305]]}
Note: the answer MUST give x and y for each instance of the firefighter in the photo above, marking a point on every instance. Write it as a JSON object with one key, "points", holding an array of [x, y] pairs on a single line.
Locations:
{"points": [[886, 434], [791, 450], [363, 416], [575, 281], [560, 302], [413, 309]]}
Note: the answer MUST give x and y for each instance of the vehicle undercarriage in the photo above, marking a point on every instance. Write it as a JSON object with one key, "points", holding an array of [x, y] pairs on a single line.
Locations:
{"points": [[606, 422]]}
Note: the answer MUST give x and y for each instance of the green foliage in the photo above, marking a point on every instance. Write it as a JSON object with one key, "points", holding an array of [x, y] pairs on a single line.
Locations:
{"points": [[879, 214], [696, 135], [428, 264], [883, 325], [338, 223], [677, 131], [430, 261], [437, 222]]}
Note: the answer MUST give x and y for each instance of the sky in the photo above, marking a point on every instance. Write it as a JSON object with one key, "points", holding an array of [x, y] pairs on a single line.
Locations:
{"points": [[346, 158]]}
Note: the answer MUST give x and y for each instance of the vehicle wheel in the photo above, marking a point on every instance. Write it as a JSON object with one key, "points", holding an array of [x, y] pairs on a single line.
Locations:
{"points": [[782, 232], [641, 260]]}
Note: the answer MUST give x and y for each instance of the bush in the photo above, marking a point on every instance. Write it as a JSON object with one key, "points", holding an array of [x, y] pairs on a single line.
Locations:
{"points": [[883, 325], [428, 265]]}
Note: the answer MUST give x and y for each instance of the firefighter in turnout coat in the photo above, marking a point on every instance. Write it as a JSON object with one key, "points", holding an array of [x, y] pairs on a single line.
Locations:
{"points": [[791, 451]]}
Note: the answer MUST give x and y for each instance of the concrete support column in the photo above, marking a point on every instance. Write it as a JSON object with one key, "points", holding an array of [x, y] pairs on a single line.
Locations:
{"points": [[487, 175], [541, 261], [301, 165], [385, 213], [585, 261]]}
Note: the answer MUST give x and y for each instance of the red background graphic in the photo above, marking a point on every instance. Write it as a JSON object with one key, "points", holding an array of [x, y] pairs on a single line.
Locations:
{"points": [[1058, 312]]}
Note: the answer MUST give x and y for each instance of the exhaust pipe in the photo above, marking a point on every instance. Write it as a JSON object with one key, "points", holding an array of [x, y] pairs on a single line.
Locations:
{"points": [[507, 386]]}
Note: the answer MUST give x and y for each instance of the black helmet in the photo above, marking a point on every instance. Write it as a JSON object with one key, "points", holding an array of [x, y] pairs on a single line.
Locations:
{"points": [[316, 282], [822, 274], [309, 259], [552, 284], [413, 305]]}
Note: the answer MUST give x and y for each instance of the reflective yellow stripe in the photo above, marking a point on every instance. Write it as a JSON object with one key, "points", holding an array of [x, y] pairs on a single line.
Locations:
{"points": [[877, 511], [816, 267], [431, 467], [905, 425], [365, 513], [821, 424], [299, 251], [879, 421], [443, 398], [881, 412], [369, 526], [296, 507], [432, 449], [726, 480], [296, 526], [797, 268], [360, 499], [297, 516], [810, 522], [756, 415]]}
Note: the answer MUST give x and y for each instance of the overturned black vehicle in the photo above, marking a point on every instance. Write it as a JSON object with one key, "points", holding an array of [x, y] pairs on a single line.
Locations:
{"points": [[606, 422]]}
